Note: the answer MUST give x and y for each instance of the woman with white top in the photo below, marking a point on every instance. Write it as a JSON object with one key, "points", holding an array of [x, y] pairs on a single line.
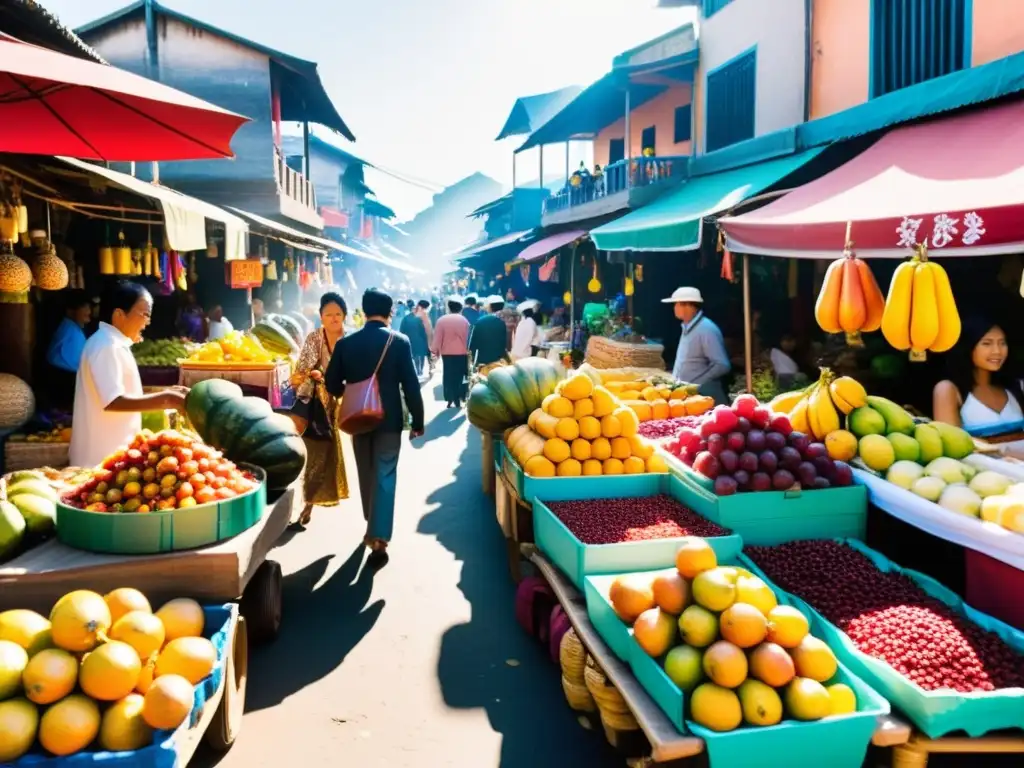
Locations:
{"points": [[527, 333], [109, 400], [979, 392]]}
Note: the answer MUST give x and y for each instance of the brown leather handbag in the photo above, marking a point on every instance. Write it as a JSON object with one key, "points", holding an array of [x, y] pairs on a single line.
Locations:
{"points": [[361, 408]]}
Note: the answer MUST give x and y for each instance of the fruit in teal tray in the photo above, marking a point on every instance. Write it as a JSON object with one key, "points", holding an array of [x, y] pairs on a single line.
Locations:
{"points": [[716, 708], [698, 627], [671, 592], [928, 487], [905, 474], [807, 699], [725, 664], [715, 589], [905, 447], [866, 421], [897, 419], [655, 631], [683, 665], [630, 596], [761, 704], [960, 499], [814, 659], [989, 483], [877, 452], [956, 442], [12, 529], [948, 470], [771, 664], [842, 699]]}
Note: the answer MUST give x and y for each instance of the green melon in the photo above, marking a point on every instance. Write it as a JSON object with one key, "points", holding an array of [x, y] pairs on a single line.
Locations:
{"points": [[503, 382], [282, 459], [486, 411], [235, 419], [204, 397]]}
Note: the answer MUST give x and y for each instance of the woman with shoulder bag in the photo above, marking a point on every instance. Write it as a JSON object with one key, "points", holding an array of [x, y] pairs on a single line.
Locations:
{"points": [[324, 483]]}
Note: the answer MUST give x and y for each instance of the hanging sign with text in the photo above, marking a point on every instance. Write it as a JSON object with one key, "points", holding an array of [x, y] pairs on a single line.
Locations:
{"points": [[244, 273]]}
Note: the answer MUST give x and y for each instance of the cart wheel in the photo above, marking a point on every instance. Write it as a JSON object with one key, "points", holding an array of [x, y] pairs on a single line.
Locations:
{"points": [[261, 603], [227, 721]]}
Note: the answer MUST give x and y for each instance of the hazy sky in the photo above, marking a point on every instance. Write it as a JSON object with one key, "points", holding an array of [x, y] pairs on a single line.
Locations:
{"points": [[425, 85]]}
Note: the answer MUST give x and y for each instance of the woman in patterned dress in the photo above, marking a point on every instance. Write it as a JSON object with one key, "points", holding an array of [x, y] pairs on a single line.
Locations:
{"points": [[324, 483]]}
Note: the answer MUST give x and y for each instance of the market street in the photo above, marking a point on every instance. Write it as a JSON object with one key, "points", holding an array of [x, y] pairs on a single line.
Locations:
{"points": [[423, 664]]}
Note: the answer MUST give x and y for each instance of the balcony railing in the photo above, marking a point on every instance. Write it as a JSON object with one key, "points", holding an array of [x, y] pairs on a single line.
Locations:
{"points": [[292, 183], [618, 177]]}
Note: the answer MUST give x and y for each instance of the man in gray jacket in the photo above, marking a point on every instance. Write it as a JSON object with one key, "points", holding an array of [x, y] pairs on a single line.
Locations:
{"points": [[701, 357]]}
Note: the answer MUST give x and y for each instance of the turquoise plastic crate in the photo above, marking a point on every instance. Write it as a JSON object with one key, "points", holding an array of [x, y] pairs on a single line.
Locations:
{"points": [[775, 517], [577, 559], [571, 488], [936, 713], [607, 623], [153, 532]]}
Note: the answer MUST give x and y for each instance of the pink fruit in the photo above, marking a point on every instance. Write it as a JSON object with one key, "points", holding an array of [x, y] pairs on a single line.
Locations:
{"points": [[725, 420], [799, 440], [744, 405], [780, 423], [761, 416], [729, 460], [774, 441], [814, 450], [708, 428], [725, 486], [742, 478], [707, 465], [842, 474], [735, 441], [760, 481], [716, 444], [748, 461], [790, 458], [756, 441], [767, 461], [783, 480], [688, 436]]}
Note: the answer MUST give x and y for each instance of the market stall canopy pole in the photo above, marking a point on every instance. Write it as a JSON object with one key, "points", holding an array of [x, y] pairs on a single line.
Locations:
{"points": [[54, 104], [955, 184]]}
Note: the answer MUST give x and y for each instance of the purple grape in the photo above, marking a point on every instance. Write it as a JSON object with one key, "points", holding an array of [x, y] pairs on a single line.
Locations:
{"points": [[742, 425], [760, 481], [716, 444], [725, 486], [729, 461], [806, 474], [783, 480], [821, 483], [774, 441], [824, 466], [799, 440], [748, 461], [842, 474], [756, 440], [742, 479], [768, 462], [735, 441], [815, 450], [790, 458]]}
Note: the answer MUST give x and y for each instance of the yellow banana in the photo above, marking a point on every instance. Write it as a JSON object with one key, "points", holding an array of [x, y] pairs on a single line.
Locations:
{"points": [[786, 402], [848, 394], [924, 315], [949, 317], [812, 412], [896, 316], [824, 418], [798, 416]]}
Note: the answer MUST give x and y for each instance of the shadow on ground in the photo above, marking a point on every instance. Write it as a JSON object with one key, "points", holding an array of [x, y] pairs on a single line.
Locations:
{"points": [[523, 700]]}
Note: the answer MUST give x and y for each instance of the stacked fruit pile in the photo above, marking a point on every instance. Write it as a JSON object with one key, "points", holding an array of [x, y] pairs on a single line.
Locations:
{"points": [[507, 394], [746, 447], [888, 616], [636, 519], [159, 472], [668, 401], [723, 639], [236, 347], [159, 352], [581, 429], [28, 510], [101, 670]]}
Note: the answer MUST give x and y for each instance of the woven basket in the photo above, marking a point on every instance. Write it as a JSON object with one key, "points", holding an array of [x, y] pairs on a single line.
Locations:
{"points": [[618, 721], [34, 455], [606, 353], [578, 696], [573, 657], [606, 695]]}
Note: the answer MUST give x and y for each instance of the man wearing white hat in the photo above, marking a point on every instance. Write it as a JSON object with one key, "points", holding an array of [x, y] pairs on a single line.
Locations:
{"points": [[701, 357], [526, 334], [488, 341]]}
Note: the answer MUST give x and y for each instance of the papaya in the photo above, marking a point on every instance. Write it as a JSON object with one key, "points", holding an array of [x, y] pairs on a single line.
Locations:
{"points": [[949, 317], [896, 315], [546, 425], [924, 313], [826, 308], [874, 301], [852, 311]]}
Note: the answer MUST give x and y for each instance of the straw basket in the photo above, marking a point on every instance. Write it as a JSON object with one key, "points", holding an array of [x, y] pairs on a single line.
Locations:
{"points": [[25, 455], [606, 353], [578, 696], [617, 721], [606, 695], [573, 658]]}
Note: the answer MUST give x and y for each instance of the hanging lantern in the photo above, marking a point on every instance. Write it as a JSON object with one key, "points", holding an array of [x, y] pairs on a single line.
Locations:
{"points": [[567, 298], [627, 288], [106, 255], [122, 256], [594, 286], [9, 224]]}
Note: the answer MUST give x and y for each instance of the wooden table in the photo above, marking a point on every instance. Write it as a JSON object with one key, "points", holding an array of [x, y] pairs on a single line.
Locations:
{"points": [[666, 742], [228, 570]]}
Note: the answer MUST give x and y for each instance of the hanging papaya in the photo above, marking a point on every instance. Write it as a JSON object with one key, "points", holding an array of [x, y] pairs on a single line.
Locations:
{"points": [[852, 312], [826, 308], [896, 316], [874, 301], [924, 310], [949, 317]]}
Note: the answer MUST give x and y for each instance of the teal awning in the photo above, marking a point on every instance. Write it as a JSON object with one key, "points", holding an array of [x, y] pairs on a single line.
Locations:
{"points": [[673, 222]]}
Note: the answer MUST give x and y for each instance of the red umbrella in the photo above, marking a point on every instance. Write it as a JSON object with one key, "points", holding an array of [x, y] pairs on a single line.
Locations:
{"points": [[54, 104]]}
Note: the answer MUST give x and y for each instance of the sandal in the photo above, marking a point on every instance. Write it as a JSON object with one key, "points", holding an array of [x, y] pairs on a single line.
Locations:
{"points": [[306, 516]]}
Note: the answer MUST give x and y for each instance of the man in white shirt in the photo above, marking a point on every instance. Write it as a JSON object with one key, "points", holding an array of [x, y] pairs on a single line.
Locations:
{"points": [[220, 326], [526, 334], [109, 401], [701, 357]]}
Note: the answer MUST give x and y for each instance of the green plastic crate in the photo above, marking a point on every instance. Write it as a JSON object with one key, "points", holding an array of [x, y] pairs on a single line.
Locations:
{"points": [[775, 517], [571, 488], [154, 532], [577, 560], [936, 713]]}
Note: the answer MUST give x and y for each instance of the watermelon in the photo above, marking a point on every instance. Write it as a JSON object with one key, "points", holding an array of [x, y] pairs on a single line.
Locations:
{"points": [[274, 338], [292, 328], [503, 382], [485, 409], [204, 397], [282, 459], [509, 393], [235, 422]]}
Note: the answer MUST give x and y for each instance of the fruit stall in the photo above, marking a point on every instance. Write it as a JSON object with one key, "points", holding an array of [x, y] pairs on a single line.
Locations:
{"points": [[703, 576], [180, 521]]}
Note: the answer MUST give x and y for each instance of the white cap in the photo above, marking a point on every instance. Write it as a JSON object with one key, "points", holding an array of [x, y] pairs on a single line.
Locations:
{"points": [[684, 295], [495, 299], [456, 298], [528, 304]]}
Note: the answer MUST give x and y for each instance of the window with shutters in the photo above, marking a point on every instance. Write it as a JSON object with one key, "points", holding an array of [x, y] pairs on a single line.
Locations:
{"points": [[711, 7], [916, 40], [731, 101], [616, 150], [683, 128]]}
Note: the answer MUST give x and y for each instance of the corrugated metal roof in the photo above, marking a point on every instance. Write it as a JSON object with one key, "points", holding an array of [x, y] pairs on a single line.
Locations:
{"points": [[29, 21], [531, 112]]}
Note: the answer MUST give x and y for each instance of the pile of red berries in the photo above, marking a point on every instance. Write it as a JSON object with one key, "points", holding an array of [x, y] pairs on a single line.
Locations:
{"points": [[610, 521], [891, 618]]}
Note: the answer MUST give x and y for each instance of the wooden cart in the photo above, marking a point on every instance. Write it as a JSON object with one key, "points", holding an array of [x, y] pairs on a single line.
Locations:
{"points": [[233, 569]]}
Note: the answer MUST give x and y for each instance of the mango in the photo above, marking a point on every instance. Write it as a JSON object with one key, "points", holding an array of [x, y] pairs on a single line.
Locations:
{"points": [[928, 439], [807, 699], [876, 452], [761, 704], [716, 708], [655, 632], [956, 443], [896, 418], [631, 595], [866, 421], [683, 667], [905, 447]]}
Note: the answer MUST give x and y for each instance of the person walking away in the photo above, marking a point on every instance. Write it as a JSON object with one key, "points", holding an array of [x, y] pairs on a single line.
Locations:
{"points": [[527, 334], [401, 310], [470, 312], [414, 329], [451, 344], [701, 357], [109, 400], [423, 310], [325, 482], [220, 326], [377, 349], [487, 342]]}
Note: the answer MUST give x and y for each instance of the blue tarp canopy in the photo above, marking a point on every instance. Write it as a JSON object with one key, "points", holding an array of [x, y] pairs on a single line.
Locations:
{"points": [[604, 102], [531, 112], [372, 207], [673, 222]]}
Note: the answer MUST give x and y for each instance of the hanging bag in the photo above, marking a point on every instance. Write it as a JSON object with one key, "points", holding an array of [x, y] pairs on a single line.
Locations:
{"points": [[361, 408]]}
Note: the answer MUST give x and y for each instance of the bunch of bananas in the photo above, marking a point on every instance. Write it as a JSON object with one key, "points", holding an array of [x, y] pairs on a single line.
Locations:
{"points": [[920, 312], [850, 300], [816, 410]]}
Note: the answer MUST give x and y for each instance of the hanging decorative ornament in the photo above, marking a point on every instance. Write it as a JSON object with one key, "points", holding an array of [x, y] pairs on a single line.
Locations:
{"points": [[122, 256], [567, 298], [594, 285], [627, 288], [638, 273]]}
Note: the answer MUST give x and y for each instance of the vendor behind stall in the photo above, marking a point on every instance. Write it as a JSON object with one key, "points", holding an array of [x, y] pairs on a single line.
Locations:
{"points": [[109, 401], [701, 357], [526, 335], [65, 350]]}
